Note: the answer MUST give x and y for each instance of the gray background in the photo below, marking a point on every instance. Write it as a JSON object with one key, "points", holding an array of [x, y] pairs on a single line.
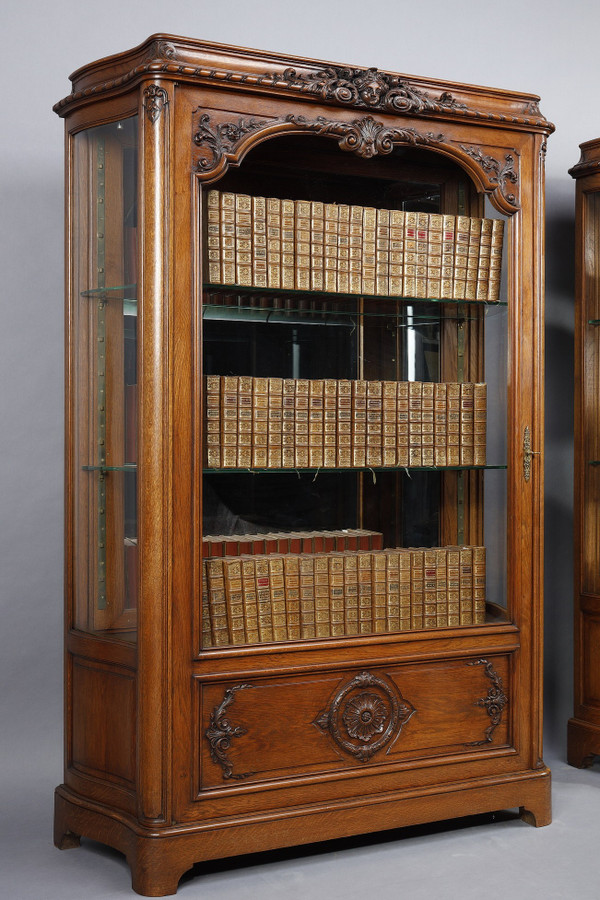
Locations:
{"points": [[540, 46]]}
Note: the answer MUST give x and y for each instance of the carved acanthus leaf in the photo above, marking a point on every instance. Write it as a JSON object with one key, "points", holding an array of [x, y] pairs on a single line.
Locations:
{"points": [[220, 732], [494, 702], [498, 173]]}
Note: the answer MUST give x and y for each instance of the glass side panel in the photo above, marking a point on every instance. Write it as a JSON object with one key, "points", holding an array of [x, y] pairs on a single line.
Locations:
{"points": [[349, 442], [105, 378], [590, 556]]}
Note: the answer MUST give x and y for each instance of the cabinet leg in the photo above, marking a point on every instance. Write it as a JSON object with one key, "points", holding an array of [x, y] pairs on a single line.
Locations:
{"points": [[538, 814], [583, 744], [154, 873], [67, 840]]}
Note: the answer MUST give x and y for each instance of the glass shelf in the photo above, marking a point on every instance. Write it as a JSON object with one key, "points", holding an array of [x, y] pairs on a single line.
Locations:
{"points": [[111, 291], [315, 471], [128, 467]]}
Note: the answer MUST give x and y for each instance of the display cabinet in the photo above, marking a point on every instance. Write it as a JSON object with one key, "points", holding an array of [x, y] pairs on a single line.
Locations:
{"points": [[304, 475], [584, 727]]}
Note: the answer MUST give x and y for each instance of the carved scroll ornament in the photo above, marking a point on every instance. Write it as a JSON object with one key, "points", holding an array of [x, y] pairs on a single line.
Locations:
{"points": [[365, 715], [499, 173], [220, 733], [494, 702]]}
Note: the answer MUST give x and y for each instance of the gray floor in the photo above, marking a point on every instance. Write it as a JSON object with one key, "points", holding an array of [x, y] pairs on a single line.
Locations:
{"points": [[491, 858]]}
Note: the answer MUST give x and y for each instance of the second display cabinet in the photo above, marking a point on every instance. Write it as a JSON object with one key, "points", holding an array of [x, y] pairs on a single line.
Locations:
{"points": [[304, 419]]}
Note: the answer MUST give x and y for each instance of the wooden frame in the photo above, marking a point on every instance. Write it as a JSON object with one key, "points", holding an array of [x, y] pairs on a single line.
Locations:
{"points": [[202, 109]]}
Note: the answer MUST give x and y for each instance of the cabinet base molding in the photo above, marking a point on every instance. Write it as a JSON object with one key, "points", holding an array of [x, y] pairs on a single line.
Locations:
{"points": [[158, 858], [583, 743]]}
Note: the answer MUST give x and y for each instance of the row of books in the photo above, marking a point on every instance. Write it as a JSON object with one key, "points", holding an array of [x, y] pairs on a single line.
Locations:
{"points": [[312, 246], [312, 423], [291, 542], [285, 597]]}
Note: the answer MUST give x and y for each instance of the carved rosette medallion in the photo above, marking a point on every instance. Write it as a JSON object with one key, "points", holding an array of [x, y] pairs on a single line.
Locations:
{"points": [[498, 173], [494, 702], [225, 143], [365, 715], [220, 733], [366, 88], [155, 100]]}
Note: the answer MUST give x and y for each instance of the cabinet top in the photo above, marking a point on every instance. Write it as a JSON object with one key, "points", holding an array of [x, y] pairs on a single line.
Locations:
{"points": [[167, 57], [589, 161]]}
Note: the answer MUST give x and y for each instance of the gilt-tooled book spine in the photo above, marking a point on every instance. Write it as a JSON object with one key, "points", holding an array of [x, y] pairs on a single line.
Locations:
{"points": [[359, 424], [429, 589], [483, 268], [415, 423], [479, 424], [277, 587], [288, 436], [228, 238], [263, 596], [427, 423], [365, 594], [404, 588], [369, 250], [374, 423], [434, 257], [344, 423], [206, 628], [447, 282], [259, 242], [440, 424], [330, 261], [441, 575], [378, 588], [351, 593], [410, 255], [249, 600], [453, 426], [260, 422], [243, 240], [213, 235], [466, 585], [244, 418], [453, 582], [302, 245], [336, 594], [343, 249], [402, 424], [389, 423], [417, 587], [495, 260], [291, 567], [466, 424], [479, 585], [322, 612], [288, 249], [229, 421], [355, 249], [461, 257], [275, 423], [392, 590], [422, 251], [212, 421], [232, 573], [396, 253], [330, 423], [301, 423], [315, 424], [382, 253], [273, 242], [307, 597], [473, 258], [317, 245], [216, 601]]}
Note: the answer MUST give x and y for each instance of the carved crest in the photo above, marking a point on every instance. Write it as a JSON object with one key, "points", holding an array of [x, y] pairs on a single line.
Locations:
{"points": [[155, 99], [365, 715]]}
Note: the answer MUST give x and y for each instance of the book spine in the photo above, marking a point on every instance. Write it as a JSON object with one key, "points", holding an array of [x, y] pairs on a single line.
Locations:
{"points": [[422, 251], [302, 245], [317, 278], [382, 253], [343, 250], [479, 585], [315, 424], [336, 594], [331, 247], [273, 242], [429, 589], [350, 593], [365, 594], [244, 419], [359, 424], [453, 582], [378, 591], [389, 423], [441, 576], [434, 257], [260, 422], [259, 242], [466, 424], [243, 240], [229, 422], [288, 426], [473, 258], [447, 282], [404, 587], [402, 425], [277, 588], [483, 268], [213, 235], [291, 571], [232, 573], [461, 256], [216, 601], [417, 588], [206, 626], [480, 423], [410, 254], [301, 423], [453, 425], [415, 423], [466, 585], [288, 250], [344, 423], [212, 421], [440, 424], [307, 598], [495, 260], [392, 590], [228, 238], [330, 423], [427, 425], [369, 250], [322, 612], [374, 423], [396, 273], [263, 598], [275, 423], [356, 249], [250, 601]]}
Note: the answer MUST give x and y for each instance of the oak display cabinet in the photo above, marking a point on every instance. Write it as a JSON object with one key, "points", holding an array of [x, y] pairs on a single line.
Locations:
{"points": [[280, 628], [584, 727]]}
